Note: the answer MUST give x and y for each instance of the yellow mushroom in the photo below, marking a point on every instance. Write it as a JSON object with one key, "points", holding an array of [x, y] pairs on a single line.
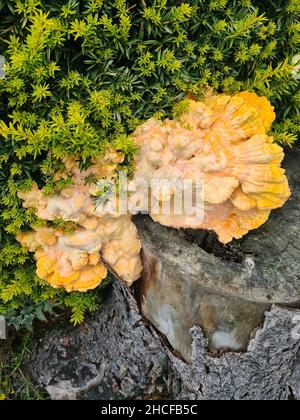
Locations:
{"points": [[222, 143], [76, 261]]}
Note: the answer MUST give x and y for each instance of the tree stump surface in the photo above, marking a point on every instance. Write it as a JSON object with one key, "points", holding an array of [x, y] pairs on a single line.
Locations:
{"points": [[205, 321], [189, 278]]}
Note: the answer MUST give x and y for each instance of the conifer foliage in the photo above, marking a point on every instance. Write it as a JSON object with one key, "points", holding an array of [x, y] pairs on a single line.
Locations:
{"points": [[81, 75]]}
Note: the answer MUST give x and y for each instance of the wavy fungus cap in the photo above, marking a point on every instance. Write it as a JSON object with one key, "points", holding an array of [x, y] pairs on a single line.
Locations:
{"points": [[71, 269], [75, 261], [223, 142]]}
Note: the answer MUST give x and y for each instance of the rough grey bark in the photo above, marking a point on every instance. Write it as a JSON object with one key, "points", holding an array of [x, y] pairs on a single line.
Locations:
{"points": [[295, 382], [249, 291], [264, 372], [113, 355], [116, 355]]}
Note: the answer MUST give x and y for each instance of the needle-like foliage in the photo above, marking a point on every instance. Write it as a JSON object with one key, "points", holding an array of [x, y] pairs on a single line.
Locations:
{"points": [[81, 75]]}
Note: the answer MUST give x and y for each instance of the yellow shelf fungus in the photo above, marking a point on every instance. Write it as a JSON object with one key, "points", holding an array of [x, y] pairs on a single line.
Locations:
{"points": [[75, 261], [222, 142]]}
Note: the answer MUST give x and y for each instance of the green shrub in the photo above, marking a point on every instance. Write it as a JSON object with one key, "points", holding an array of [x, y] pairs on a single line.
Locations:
{"points": [[82, 74]]}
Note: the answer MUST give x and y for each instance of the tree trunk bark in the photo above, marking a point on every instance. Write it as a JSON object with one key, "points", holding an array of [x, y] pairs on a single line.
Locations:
{"points": [[205, 321], [114, 354]]}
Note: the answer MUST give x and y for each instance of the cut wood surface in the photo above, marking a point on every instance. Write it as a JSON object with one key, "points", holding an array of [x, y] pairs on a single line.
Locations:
{"points": [[190, 279]]}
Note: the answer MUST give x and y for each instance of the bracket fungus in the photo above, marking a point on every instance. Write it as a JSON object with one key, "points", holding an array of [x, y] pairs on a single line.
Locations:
{"points": [[223, 143], [76, 261]]}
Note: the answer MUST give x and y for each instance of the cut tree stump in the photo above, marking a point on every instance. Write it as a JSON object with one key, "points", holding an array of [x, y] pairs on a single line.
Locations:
{"points": [[190, 279], [206, 321]]}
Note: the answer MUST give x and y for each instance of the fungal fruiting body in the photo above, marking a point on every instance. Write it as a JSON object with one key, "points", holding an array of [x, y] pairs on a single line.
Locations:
{"points": [[222, 142], [63, 265], [75, 261]]}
